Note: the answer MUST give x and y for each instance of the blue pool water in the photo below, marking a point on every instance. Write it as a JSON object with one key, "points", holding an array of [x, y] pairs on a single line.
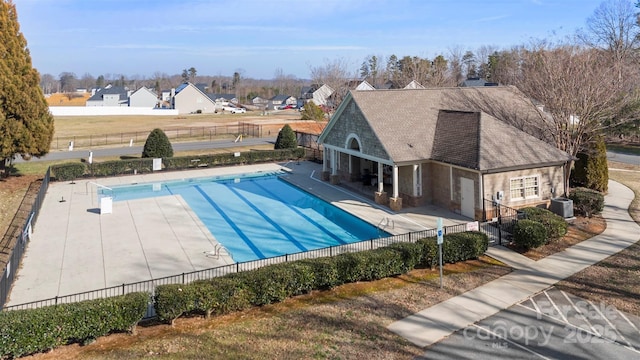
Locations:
{"points": [[256, 216]]}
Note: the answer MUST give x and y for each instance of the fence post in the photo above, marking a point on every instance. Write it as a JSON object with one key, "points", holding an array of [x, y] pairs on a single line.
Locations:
{"points": [[122, 288], [183, 278], [499, 226]]}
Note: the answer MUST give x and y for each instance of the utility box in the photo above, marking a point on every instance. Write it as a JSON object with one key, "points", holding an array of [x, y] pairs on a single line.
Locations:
{"points": [[562, 206]]}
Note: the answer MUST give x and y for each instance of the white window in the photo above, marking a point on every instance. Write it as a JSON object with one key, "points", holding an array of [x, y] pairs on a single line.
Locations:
{"points": [[525, 187]]}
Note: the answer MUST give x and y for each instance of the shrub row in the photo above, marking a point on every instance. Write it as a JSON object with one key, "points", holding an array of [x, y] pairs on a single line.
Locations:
{"points": [[71, 171], [586, 202], [36, 330], [274, 283], [529, 234], [555, 225]]}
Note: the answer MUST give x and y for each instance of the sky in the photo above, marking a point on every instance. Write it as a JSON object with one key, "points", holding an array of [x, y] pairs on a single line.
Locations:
{"points": [[259, 38]]}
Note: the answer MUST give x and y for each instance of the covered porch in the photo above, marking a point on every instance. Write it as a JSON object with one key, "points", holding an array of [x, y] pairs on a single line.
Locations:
{"points": [[390, 184]]}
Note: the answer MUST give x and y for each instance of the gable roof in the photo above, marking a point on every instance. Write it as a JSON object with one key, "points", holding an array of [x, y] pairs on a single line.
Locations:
{"points": [[111, 90], [474, 132], [280, 97]]}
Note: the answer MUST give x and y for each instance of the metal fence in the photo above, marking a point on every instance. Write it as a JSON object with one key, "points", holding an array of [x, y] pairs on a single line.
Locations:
{"points": [[184, 278], [313, 149], [184, 133], [502, 218], [9, 272]]}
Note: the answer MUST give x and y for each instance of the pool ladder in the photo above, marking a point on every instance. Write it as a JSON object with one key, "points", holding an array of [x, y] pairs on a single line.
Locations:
{"points": [[384, 223]]}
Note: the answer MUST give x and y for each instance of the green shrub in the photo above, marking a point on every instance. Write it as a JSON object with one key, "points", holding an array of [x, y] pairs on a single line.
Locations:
{"points": [[586, 202], [286, 138], [157, 145], [174, 300], [312, 112], [381, 263], [220, 296], [455, 247], [326, 272], [529, 234], [36, 330], [68, 171], [591, 169], [556, 226], [352, 267], [412, 254]]}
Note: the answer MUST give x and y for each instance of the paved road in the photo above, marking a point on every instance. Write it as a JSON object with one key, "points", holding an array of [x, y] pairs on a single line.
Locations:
{"points": [[550, 325], [137, 150], [623, 158]]}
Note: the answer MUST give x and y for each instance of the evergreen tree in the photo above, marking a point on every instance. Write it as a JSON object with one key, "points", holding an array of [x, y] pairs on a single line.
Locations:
{"points": [[26, 125], [591, 169], [157, 145], [312, 112], [286, 138]]}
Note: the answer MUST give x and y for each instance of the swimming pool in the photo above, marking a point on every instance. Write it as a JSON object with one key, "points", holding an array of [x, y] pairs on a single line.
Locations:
{"points": [[258, 215]]}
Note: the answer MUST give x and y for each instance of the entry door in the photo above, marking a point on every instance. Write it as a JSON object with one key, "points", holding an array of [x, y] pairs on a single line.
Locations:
{"points": [[467, 202]]}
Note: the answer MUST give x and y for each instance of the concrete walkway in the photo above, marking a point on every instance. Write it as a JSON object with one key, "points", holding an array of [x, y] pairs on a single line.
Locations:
{"points": [[530, 277]]}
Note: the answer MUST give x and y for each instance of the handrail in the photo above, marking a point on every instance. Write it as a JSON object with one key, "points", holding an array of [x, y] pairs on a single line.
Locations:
{"points": [[86, 186]]}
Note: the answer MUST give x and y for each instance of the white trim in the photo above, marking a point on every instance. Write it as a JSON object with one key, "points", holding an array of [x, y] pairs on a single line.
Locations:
{"points": [[524, 187], [348, 141]]}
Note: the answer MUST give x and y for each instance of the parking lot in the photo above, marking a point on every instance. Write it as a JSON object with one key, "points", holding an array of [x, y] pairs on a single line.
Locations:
{"points": [[549, 325]]}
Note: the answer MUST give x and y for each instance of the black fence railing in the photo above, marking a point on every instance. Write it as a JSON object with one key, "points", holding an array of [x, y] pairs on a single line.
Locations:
{"points": [[16, 248], [184, 278], [203, 133], [313, 149], [501, 217]]}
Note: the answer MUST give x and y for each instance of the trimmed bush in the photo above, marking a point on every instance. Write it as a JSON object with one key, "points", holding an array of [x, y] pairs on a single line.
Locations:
{"points": [[352, 267], [529, 234], [556, 226], [157, 145], [411, 253], [286, 138], [586, 202], [381, 263], [220, 296], [68, 171], [455, 247], [174, 300], [312, 112], [326, 272], [37, 330]]}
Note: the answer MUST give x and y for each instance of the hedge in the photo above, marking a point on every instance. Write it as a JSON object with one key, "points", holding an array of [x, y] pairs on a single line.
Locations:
{"points": [[455, 247], [556, 226], [586, 202], [31, 331], [68, 171], [275, 283], [71, 171], [529, 234]]}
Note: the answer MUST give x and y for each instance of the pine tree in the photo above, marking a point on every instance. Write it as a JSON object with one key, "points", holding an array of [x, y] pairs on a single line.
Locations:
{"points": [[286, 138], [157, 145], [26, 125]]}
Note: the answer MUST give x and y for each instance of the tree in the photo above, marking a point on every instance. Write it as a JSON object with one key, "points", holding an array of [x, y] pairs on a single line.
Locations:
{"points": [[192, 74], [312, 112], [157, 145], [100, 81], [286, 138], [335, 74], [26, 124], [236, 80], [68, 82], [591, 169], [580, 91]]}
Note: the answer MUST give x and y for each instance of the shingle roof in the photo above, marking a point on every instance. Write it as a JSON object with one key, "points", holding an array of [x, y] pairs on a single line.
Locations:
{"points": [[119, 90], [474, 132]]}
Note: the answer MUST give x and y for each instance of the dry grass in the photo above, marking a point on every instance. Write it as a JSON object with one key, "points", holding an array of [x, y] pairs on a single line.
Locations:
{"points": [[59, 99]]}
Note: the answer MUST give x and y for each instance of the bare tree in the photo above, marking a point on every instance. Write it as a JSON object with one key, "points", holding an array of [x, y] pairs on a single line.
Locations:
{"points": [[580, 91], [613, 27], [48, 83], [334, 73], [455, 64]]}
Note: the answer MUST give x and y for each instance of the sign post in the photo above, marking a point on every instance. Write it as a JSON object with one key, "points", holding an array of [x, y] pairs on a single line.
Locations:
{"points": [[440, 241]]}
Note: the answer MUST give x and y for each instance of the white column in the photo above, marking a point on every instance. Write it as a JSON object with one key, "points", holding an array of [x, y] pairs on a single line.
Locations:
{"points": [[416, 180], [325, 159], [395, 181], [380, 177], [350, 165], [334, 163]]}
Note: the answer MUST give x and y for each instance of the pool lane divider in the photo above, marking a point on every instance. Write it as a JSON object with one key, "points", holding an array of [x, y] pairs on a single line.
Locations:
{"points": [[235, 228], [267, 218], [300, 213]]}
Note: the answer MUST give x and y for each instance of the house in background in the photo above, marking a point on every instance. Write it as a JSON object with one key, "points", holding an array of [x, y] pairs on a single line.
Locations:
{"points": [[259, 102], [364, 86], [281, 100], [143, 97], [449, 147], [414, 85], [476, 81], [317, 93], [109, 96], [188, 99]]}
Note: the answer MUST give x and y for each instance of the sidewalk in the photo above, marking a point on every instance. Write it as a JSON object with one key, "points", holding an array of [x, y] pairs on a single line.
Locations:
{"points": [[529, 277]]}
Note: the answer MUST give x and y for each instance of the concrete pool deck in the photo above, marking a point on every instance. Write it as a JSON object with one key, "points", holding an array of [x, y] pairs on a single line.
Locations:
{"points": [[75, 249]]}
